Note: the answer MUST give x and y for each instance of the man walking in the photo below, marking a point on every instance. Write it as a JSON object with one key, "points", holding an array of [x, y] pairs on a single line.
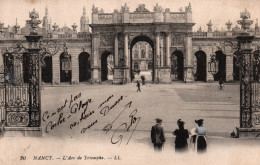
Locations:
{"points": [[157, 135], [138, 86]]}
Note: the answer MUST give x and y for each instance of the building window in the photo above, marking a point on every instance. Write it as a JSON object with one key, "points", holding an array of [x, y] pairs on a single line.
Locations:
{"points": [[150, 54], [136, 54], [136, 66], [143, 53], [150, 65]]}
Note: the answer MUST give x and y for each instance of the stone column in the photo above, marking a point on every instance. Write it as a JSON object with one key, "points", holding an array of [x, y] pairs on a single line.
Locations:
{"points": [[116, 49], [162, 54], [208, 51], [188, 58], [168, 49], [75, 65], [157, 58], [127, 59], [96, 76], [229, 68], [157, 48], [126, 49], [56, 68]]}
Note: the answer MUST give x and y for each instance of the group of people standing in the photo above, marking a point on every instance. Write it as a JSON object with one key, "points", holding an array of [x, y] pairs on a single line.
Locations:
{"points": [[197, 139]]}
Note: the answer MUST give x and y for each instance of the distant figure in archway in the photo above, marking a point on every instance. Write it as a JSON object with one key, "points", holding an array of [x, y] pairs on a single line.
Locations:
{"points": [[138, 86], [221, 84]]}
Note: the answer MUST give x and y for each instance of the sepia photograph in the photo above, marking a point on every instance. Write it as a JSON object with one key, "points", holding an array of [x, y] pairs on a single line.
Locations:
{"points": [[128, 82]]}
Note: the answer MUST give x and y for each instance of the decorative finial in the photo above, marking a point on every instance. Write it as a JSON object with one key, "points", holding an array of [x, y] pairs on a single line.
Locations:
{"points": [[55, 27], [245, 22], [125, 9], [16, 27], [34, 22], [199, 30], [188, 9], [157, 8], [209, 26], [74, 27], [94, 10], [229, 24]]}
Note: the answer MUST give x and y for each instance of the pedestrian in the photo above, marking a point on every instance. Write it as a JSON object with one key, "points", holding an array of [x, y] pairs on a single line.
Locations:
{"points": [[181, 137], [221, 84], [138, 86], [143, 80], [201, 136], [157, 135]]}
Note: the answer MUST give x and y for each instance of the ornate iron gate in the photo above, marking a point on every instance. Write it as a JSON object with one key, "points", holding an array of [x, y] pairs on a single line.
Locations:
{"points": [[21, 88], [20, 79], [256, 89], [2, 94]]}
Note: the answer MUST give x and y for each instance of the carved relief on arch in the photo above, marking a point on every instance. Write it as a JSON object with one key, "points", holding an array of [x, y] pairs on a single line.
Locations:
{"points": [[228, 48], [217, 47], [87, 50], [106, 40], [197, 48], [102, 50], [149, 35], [177, 39], [173, 49]]}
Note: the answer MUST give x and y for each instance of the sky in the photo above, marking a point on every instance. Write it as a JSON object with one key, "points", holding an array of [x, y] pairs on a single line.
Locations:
{"points": [[69, 11]]}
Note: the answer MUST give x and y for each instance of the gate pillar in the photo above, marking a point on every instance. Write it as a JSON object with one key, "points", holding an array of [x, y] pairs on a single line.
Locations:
{"points": [[249, 84]]}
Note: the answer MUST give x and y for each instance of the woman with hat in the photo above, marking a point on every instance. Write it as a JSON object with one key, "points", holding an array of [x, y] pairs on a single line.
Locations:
{"points": [[201, 136], [181, 137]]}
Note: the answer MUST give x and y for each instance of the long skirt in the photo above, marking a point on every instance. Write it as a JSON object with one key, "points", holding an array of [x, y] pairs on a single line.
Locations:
{"points": [[201, 144]]}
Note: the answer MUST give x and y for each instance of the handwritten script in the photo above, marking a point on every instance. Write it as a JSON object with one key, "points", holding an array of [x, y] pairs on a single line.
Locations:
{"points": [[85, 113]]}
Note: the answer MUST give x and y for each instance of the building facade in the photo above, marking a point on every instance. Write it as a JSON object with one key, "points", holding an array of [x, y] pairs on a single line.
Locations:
{"points": [[159, 44]]}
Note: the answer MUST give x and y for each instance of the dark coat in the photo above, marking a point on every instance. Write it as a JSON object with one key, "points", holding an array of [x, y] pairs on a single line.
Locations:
{"points": [[181, 138], [138, 84], [157, 134]]}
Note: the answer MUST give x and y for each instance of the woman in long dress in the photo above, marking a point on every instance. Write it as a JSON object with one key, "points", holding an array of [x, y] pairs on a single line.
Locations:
{"points": [[181, 137], [201, 136]]}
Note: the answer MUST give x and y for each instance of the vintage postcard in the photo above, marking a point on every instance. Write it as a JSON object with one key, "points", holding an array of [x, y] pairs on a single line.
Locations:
{"points": [[129, 82]]}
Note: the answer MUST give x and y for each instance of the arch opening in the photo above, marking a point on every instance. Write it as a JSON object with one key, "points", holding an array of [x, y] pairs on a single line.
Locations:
{"points": [[47, 70], [107, 66], [142, 59], [84, 67], [177, 64], [65, 68], [221, 74], [201, 71]]}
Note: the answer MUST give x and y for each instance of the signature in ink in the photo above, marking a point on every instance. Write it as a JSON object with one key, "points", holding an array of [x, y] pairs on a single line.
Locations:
{"points": [[125, 127]]}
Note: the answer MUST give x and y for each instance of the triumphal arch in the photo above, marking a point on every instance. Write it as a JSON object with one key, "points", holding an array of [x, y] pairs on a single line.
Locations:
{"points": [[165, 31]]}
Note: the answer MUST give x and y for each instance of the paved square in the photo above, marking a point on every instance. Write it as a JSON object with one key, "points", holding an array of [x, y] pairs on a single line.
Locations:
{"points": [[219, 109]]}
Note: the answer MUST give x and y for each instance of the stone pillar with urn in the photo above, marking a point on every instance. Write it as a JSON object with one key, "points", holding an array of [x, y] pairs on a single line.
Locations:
{"points": [[249, 86]]}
